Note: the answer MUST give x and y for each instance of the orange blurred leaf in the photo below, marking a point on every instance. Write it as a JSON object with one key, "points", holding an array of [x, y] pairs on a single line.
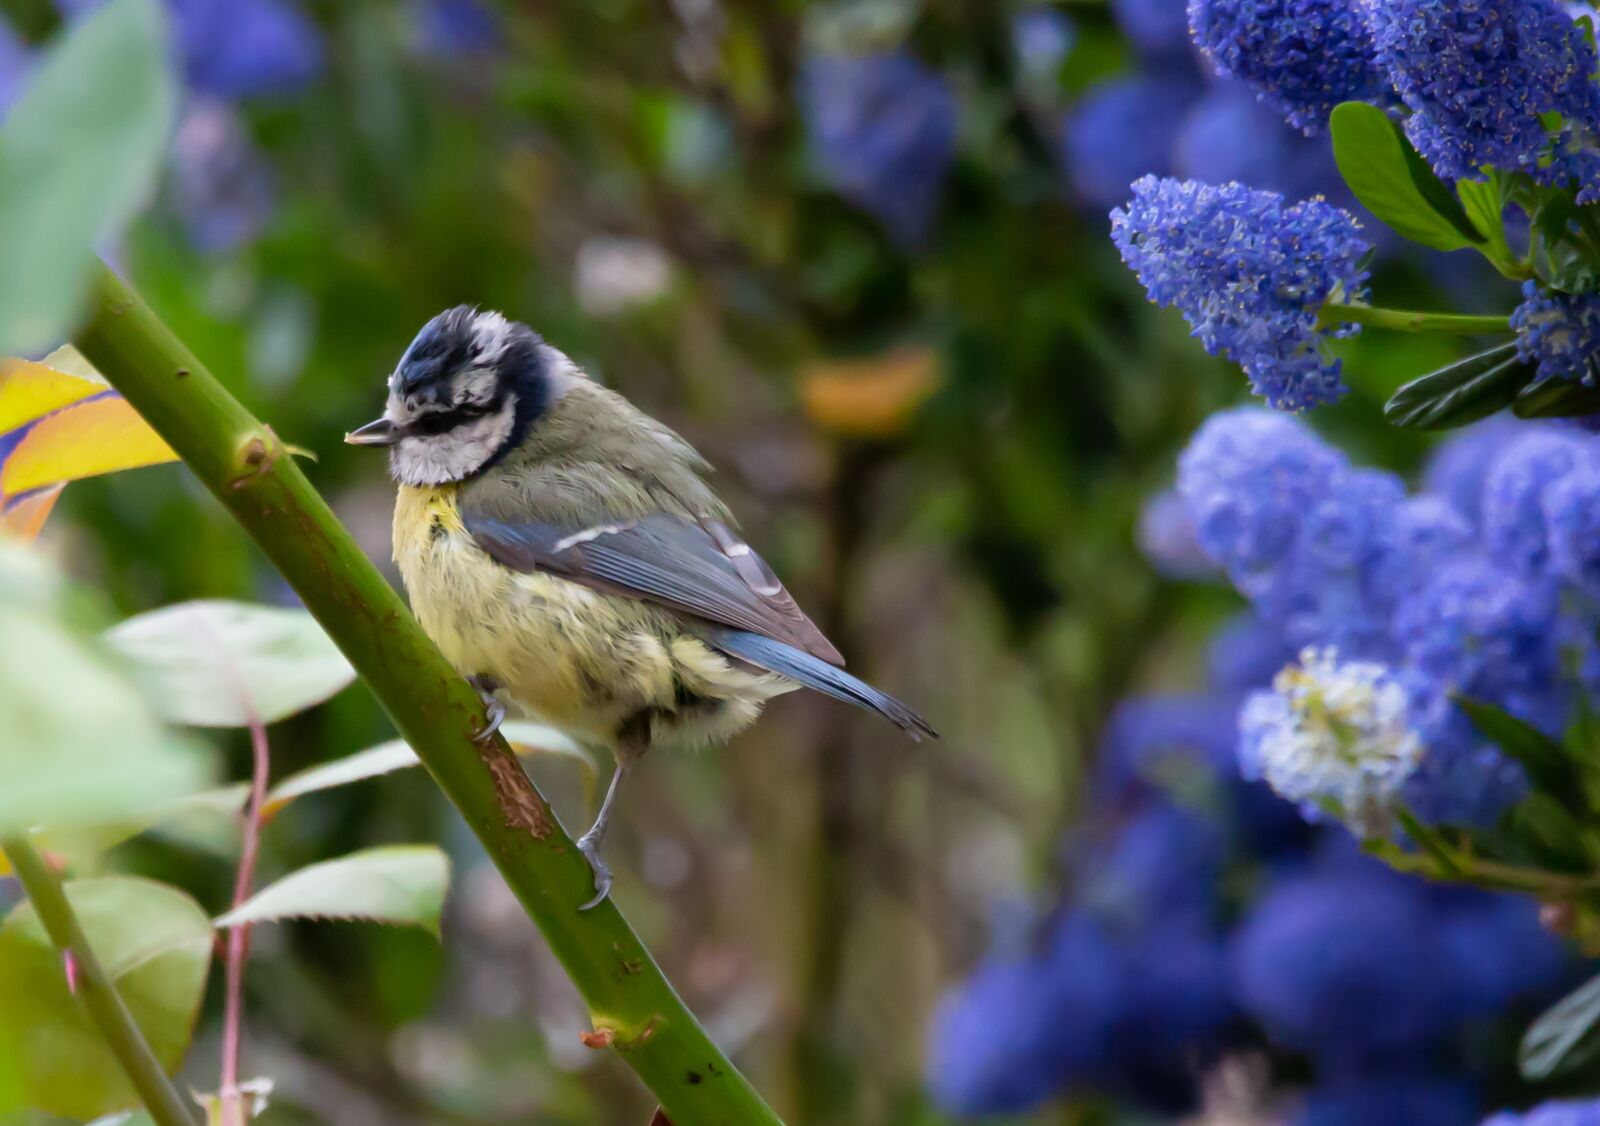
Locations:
{"points": [[23, 516], [99, 435], [872, 398]]}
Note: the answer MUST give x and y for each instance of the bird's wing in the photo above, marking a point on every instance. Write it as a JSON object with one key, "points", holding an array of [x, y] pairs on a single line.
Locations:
{"points": [[696, 567]]}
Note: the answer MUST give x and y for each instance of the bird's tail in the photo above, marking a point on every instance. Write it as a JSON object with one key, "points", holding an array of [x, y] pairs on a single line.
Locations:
{"points": [[785, 660]]}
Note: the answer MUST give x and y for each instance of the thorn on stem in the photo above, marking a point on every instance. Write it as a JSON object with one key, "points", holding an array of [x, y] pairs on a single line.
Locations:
{"points": [[257, 456], [69, 964], [601, 1038]]}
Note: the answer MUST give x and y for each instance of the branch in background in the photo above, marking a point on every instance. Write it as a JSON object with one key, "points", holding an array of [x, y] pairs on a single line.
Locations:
{"points": [[242, 462], [100, 998]]}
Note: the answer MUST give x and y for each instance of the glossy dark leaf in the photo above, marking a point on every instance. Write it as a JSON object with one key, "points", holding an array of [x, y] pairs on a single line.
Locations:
{"points": [[1546, 761], [1463, 392], [1557, 398], [1564, 1035]]}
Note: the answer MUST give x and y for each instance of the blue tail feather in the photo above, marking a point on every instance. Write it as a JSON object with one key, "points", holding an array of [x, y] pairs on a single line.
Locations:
{"points": [[797, 665]]}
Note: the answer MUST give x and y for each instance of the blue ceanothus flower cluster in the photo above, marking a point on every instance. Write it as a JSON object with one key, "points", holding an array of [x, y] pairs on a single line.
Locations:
{"points": [[1251, 275], [1305, 56], [1559, 333], [1502, 84], [1484, 584], [881, 124], [1478, 77], [1165, 117], [882, 131], [1204, 921], [236, 51]]}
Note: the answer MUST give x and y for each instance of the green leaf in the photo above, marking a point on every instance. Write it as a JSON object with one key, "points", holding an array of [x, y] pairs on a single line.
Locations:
{"points": [[1562, 257], [81, 745], [1484, 203], [373, 762], [78, 156], [1463, 392], [1563, 1036], [1545, 760], [1394, 183], [386, 758], [155, 944], [1545, 831], [1430, 841], [1557, 398], [221, 664], [400, 884], [208, 819]]}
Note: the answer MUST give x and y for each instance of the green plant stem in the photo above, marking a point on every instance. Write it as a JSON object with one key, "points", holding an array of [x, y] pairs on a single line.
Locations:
{"points": [[100, 997], [634, 1009], [1406, 320]]}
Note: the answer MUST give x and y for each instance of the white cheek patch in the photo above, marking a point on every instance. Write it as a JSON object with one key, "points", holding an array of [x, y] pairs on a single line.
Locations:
{"points": [[477, 386], [436, 459]]}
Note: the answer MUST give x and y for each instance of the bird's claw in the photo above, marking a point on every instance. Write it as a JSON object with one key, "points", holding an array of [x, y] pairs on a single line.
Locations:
{"points": [[602, 874], [491, 705]]}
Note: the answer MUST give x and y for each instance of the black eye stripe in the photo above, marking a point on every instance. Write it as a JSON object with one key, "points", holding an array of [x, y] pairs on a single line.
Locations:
{"points": [[441, 422]]}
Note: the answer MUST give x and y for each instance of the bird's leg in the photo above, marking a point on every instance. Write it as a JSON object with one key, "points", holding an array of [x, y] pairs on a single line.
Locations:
{"points": [[487, 686], [589, 843]]}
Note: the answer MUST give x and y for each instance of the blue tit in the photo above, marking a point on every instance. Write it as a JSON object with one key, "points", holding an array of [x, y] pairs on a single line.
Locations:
{"points": [[565, 552]]}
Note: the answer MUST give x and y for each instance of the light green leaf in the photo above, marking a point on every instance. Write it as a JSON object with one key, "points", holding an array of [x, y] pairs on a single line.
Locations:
{"points": [[208, 819], [1393, 182], [1484, 203], [154, 942], [78, 155], [540, 738], [81, 745], [373, 762], [386, 758], [219, 663], [400, 884]]}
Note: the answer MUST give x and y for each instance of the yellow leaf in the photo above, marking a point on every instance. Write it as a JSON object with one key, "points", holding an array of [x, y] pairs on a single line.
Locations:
{"points": [[29, 391], [102, 435], [873, 398], [23, 516]]}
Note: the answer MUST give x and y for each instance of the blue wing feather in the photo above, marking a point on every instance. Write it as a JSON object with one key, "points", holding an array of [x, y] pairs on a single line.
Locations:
{"points": [[786, 660]]}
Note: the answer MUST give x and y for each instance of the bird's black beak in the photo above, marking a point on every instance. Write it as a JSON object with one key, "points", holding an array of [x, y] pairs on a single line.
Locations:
{"points": [[383, 432]]}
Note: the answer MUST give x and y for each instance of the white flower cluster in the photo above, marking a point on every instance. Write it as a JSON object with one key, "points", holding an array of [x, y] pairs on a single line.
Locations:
{"points": [[1335, 737]]}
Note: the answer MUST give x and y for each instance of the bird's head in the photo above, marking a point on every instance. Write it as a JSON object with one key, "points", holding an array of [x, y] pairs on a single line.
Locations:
{"points": [[462, 396]]}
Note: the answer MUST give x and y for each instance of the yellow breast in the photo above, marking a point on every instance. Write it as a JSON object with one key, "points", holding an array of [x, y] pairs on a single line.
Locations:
{"points": [[567, 654], [572, 656]]}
